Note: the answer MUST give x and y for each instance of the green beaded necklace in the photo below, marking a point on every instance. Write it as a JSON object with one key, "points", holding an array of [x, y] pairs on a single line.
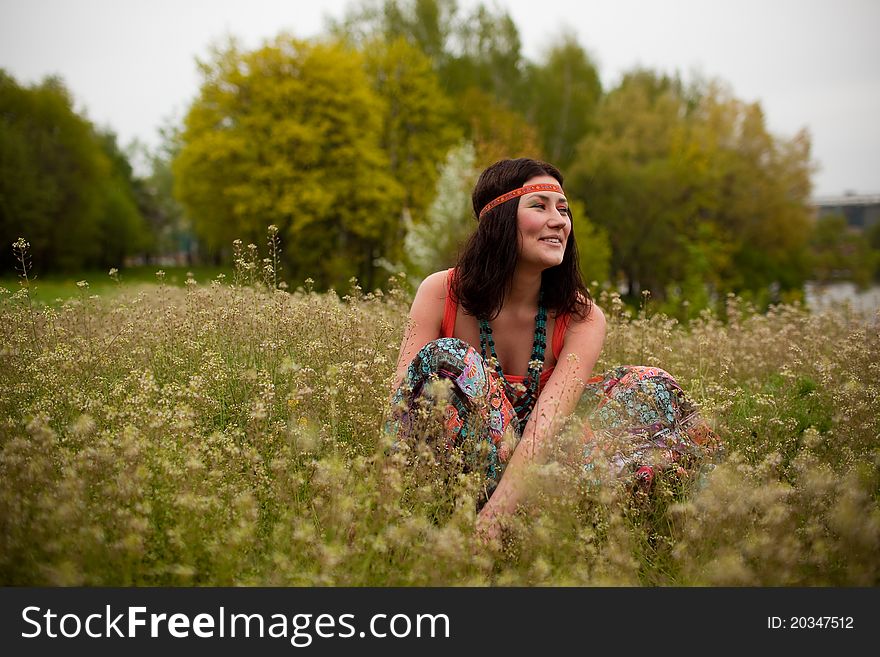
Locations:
{"points": [[522, 403]]}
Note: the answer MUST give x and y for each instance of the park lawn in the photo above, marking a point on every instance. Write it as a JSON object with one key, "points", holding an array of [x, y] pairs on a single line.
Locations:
{"points": [[52, 289]]}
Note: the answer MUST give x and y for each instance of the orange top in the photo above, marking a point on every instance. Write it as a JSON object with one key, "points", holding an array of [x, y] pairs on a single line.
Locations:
{"points": [[447, 326]]}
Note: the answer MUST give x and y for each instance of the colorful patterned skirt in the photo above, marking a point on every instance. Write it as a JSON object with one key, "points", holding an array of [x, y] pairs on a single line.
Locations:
{"points": [[642, 423]]}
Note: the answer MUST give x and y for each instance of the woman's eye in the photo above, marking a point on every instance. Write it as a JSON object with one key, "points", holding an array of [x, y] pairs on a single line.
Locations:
{"points": [[563, 210]]}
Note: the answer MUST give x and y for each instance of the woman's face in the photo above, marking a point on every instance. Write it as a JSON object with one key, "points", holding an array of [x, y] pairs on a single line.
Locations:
{"points": [[544, 225]]}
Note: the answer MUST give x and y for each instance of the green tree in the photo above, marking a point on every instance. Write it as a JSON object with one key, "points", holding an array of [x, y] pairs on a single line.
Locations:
{"points": [[594, 247], [488, 56], [872, 234], [289, 135], [417, 128], [840, 253], [429, 25], [760, 185], [169, 226], [479, 49], [496, 131], [625, 174], [694, 191], [561, 94], [63, 186], [122, 229]]}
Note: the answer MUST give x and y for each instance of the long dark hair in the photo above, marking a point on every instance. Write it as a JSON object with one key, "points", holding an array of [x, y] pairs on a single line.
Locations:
{"points": [[484, 272]]}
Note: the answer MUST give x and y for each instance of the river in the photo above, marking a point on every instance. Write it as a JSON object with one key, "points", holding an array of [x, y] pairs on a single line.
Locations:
{"points": [[866, 301]]}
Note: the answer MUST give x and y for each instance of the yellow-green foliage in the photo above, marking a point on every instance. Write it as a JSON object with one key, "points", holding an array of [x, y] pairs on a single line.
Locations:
{"points": [[230, 435], [332, 145], [289, 135]]}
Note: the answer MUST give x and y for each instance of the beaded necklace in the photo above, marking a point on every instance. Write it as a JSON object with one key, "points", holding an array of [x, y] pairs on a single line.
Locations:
{"points": [[523, 400]]}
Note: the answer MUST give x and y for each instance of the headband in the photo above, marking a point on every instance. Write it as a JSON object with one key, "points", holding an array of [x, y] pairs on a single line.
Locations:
{"points": [[526, 189]]}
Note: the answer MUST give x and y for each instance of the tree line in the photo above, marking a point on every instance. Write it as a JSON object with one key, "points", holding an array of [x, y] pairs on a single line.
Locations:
{"points": [[68, 187], [361, 147]]}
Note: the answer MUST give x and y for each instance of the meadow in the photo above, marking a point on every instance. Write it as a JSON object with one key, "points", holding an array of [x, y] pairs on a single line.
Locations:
{"points": [[54, 288], [224, 432]]}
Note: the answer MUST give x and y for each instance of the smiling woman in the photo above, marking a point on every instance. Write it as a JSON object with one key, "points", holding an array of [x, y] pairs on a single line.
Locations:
{"points": [[482, 327]]}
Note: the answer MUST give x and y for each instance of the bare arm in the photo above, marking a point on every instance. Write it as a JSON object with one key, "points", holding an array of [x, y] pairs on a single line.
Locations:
{"points": [[423, 324], [583, 344]]}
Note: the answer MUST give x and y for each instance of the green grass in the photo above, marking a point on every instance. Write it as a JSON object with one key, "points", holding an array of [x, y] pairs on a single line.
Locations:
{"points": [[54, 288]]}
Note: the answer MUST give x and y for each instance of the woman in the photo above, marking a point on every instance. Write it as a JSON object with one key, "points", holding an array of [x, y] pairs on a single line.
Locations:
{"points": [[484, 325]]}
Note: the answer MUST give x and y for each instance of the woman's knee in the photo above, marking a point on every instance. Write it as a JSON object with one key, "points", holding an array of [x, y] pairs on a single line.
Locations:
{"points": [[444, 345], [644, 372], [450, 355]]}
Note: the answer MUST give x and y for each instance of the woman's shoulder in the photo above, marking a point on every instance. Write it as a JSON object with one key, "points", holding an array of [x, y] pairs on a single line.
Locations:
{"points": [[428, 307], [594, 318], [591, 312], [436, 284], [431, 294], [595, 314]]}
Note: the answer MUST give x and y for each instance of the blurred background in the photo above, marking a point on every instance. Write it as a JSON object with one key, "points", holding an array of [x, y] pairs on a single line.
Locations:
{"points": [[708, 148]]}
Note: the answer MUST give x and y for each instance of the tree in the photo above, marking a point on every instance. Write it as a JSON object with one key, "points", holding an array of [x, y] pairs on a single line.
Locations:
{"points": [[840, 253], [63, 186], [428, 25], [872, 234], [478, 50], [624, 175], [496, 131], [417, 128], [122, 229], [487, 56], [434, 244], [761, 186], [693, 189], [594, 247], [289, 135], [170, 230], [561, 95]]}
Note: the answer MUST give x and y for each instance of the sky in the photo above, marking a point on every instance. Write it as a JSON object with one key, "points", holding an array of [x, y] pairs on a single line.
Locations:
{"points": [[814, 64]]}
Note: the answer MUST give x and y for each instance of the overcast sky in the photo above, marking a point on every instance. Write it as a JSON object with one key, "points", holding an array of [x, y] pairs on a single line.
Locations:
{"points": [[813, 64]]}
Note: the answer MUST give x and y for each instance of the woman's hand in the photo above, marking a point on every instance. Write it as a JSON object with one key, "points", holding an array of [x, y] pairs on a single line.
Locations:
{"points": [[488, 525]]}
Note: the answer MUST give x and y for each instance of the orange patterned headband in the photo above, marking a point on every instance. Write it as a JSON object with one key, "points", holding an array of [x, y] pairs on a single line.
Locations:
{"points": [[526, 189]]}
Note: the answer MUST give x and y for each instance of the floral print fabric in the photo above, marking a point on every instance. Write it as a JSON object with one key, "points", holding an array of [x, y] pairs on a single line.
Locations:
{"points": [[643, 421], [477, 415]]}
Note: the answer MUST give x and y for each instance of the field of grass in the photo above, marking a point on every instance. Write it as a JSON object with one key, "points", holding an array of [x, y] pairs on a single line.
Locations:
{"points": [[214, 434], [54, 288]]}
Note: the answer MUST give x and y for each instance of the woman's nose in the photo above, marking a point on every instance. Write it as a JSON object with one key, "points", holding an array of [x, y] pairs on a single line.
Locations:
{"points": [[558, 217]]}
